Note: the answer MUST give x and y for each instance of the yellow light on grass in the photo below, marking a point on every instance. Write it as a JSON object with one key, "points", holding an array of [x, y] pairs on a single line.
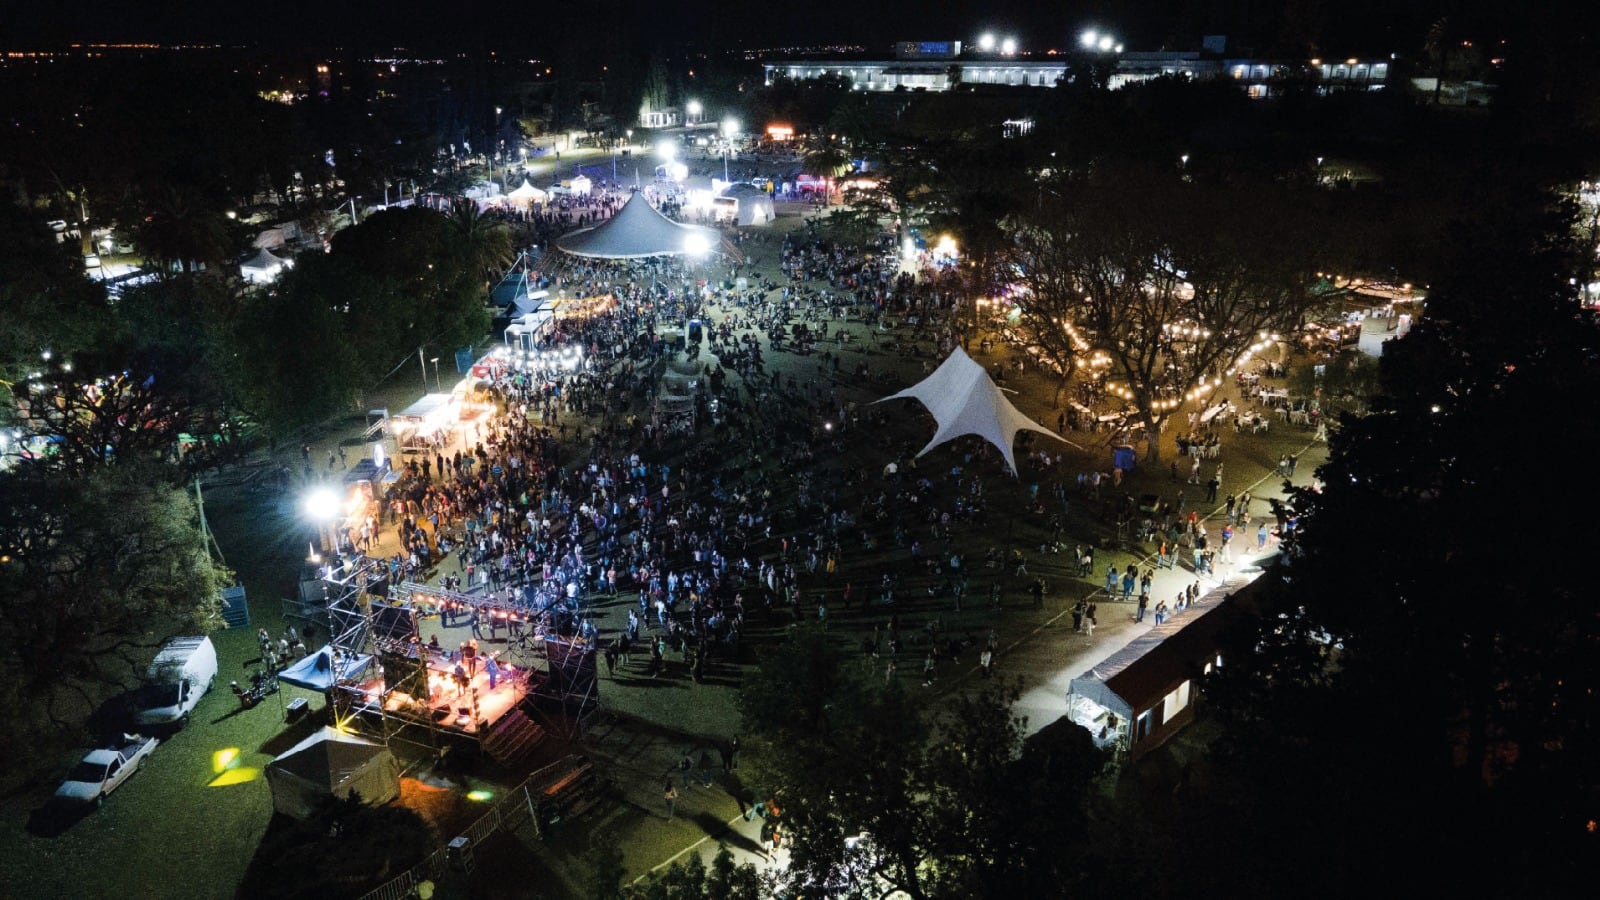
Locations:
{"points": [[236, 775], [480, 796], [223, 760]]}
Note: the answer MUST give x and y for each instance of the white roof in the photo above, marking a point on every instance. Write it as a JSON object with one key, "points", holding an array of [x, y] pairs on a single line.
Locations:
{"points": [[427, 404], [264, 261], [638, 230], [526, 193], [964, 401]]}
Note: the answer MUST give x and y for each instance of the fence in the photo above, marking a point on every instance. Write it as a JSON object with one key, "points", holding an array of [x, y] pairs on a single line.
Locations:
{"points": [[507, 815]]}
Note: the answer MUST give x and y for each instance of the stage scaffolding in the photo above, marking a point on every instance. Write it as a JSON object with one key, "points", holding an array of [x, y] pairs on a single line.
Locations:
{"points": [[393, 699]]}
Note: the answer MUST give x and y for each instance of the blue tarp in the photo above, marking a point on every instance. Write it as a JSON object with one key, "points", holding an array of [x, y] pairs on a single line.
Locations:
{"points": [[315, 672]]}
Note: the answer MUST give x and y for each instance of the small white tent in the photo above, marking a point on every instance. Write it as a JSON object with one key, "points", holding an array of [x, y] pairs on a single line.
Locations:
{"points": [[964, 400], [582, 185], [263, 267], [527, 195], [328, 764]]}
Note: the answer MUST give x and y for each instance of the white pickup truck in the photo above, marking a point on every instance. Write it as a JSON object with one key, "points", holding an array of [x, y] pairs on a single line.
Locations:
{"points": [[103, 771]]}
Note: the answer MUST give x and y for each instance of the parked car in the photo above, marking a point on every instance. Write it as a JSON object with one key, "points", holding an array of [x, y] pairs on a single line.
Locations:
{"points": [[180, 675], [103, 771]]}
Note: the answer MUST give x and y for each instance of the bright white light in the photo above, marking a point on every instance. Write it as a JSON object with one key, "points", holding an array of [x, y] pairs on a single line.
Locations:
{"points": [[666, 151], [694, 107], [986, 42], [730, 127], [1106, 43], [1118, 48], [697, 244], [322, 504], [1088, 39], [1008, 46]]}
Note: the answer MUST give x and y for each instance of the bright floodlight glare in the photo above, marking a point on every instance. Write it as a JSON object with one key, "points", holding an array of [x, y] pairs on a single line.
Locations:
{"points": [[1008, 46], [321, 504], [694, 107], [986, 42], [666, 151], [1118, 48], [697, 244], [1088, 39], [730, 127], [1106, 43]]}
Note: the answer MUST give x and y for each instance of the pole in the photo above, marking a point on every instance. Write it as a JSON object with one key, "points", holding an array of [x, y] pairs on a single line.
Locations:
{"points": [[423, 362]]}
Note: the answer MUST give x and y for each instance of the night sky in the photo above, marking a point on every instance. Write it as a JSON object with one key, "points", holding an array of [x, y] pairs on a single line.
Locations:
{"points": [[534, 27]]}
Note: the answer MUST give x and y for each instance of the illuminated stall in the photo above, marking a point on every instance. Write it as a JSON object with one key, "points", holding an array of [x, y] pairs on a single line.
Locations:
{"points": [[427, 424]]}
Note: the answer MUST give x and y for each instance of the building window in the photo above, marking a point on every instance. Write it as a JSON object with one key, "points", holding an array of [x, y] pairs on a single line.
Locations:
{"points": [[1175, 702], [1240, 71], [1257, 91], [1141, 727], [1380, 71]]}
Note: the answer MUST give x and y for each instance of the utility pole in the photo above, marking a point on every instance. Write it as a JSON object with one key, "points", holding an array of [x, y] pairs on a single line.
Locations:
{"points": [[423, 362]]}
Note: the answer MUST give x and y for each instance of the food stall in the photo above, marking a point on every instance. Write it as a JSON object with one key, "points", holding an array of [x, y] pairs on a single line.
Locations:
{"points": [[427, 424]]}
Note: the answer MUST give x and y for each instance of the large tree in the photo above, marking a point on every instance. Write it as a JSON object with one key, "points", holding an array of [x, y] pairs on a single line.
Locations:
{"points": [[96, 569], [871, 805], [1168, 282], [1427, 703]]}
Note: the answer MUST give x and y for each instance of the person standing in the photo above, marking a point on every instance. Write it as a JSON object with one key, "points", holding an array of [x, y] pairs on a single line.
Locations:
{"points": [[670, 795], [1077, 617], [986, 662]]}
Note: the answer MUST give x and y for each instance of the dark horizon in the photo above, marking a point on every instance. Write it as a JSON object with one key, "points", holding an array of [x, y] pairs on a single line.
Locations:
{"points": [[501, 26]]}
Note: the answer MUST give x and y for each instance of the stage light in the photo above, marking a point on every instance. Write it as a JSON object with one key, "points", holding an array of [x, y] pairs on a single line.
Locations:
{"points": [[481, 796]]}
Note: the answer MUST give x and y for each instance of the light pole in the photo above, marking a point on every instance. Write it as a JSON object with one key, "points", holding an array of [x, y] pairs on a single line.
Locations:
{"points": [[439, 385]]}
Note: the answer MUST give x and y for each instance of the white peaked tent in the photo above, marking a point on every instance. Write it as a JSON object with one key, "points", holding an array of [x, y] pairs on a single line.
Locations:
{"points": [[526, 195], [581, 185], [262, 267], [639, 230], [963, 400], [328, 764]]}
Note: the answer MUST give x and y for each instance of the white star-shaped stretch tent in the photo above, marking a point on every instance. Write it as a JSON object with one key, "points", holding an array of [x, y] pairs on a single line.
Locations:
{"points": [[963, 400]]}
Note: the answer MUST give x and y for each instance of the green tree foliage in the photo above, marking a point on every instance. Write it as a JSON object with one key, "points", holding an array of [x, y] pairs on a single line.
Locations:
{"points": [[45, 301], [297, 364], [693, 880], [1167, 281], [870, 806], [1435, 676], [96, 568]]}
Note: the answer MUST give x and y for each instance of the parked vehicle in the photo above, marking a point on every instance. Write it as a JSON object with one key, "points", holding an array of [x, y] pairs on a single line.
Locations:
{"points": [[180, 675], [103, 771]]}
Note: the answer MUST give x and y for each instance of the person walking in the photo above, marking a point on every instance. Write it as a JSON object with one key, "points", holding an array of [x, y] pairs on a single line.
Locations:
{"points": [[670, 796]]}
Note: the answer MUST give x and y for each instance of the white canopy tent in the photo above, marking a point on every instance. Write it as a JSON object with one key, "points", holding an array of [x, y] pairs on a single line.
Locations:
{"points": [[527, 195], [581, 185], [963, 400], [263, 267], [638, 231], [330, 764]]}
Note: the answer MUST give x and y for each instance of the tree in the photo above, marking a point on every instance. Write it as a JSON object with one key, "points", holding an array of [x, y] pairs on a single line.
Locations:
{"points": [[46, 303], [484, 244], [825, 158], [96, 569], [182, 231], [870, 806], [1164, 285], [692, 880], [1480, 772]]}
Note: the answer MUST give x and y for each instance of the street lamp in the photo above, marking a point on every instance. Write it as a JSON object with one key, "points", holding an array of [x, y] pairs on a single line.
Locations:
{"points": [[986, 42], [322, 507], [436, 382], [694, 108], [730, 127], [1008, 47]]}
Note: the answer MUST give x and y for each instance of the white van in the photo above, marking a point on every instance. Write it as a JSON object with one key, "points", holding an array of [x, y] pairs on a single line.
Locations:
{"points": [[180, 675]]}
